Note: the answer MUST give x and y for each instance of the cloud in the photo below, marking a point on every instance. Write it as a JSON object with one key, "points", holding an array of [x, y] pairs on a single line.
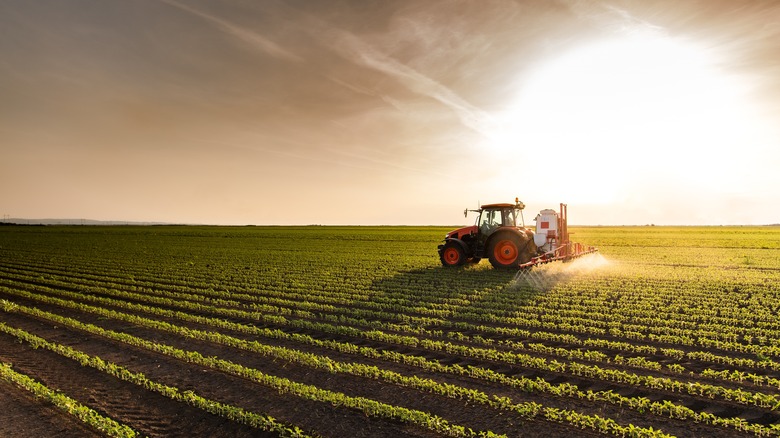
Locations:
{"points": [[357, 51], [353, 87], [251, 38], [382, 162], [612, 18]]}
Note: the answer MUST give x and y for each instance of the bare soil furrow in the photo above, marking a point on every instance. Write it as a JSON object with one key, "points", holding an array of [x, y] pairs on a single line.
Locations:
{"points": [[414, 399], [307, 414], [658, 337], [149, 413], [24, 416], [691, 365]]}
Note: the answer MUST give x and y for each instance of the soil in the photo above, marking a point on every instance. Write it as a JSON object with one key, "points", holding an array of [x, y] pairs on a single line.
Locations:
{"points": [[22, 415], [154, 415]]}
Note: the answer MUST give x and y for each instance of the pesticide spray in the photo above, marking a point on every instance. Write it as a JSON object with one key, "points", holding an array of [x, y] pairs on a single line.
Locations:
{"points": [[546, 276]]}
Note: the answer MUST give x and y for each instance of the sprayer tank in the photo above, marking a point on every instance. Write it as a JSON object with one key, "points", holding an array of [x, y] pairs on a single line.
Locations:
{"points": [[546, 229]]}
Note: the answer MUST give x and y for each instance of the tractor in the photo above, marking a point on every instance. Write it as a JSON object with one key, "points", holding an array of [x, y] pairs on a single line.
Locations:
{"points": [[500, 235]]}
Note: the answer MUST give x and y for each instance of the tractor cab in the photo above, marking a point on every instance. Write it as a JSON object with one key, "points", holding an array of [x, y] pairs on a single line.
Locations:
{"points": [[494, 216]]}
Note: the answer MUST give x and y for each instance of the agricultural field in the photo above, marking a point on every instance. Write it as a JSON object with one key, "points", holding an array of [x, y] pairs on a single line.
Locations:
{"points": [[358, 331]]}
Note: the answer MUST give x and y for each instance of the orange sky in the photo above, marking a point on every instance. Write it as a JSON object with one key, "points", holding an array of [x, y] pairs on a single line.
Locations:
{"points": [[379, 112]]}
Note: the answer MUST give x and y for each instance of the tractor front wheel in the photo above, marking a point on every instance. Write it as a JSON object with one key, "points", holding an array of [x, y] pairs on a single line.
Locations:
{"points": [[452, 255], [505, 252]]}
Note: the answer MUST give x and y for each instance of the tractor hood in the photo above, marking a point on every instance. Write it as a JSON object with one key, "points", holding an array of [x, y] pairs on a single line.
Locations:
{"points": [[460, 232]]}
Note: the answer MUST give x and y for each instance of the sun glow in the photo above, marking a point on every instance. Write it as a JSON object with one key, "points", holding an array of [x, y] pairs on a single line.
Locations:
{"points": [[645, 109]]}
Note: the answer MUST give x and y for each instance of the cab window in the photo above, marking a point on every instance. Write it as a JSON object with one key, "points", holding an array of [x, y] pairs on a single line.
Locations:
{"points": [[509, 218], [489, 220]]}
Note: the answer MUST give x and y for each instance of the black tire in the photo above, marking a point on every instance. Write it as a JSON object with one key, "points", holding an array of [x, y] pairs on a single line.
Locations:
{"points": [[508, 251], [452, 255]]}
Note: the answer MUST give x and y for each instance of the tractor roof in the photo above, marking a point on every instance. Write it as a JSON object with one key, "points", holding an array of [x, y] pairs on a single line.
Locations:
{"points": [[498, 206]]}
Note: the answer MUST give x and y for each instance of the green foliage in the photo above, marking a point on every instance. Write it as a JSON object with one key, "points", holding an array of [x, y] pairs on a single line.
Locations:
{"points": [[108, 426], [676, 311]]}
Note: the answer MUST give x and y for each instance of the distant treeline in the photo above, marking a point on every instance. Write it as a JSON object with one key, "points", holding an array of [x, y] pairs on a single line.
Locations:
{"points": [[20, 225]]}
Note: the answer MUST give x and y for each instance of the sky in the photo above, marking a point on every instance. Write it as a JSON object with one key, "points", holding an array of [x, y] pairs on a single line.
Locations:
{"points": [[367, 112]]}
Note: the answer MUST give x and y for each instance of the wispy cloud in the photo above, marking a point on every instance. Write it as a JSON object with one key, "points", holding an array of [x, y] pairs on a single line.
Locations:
{"points": [[631, 23], [395, 103], [611, 17], [249, 37], [291, 149], [356, 50], [353, 87], [382, 162]]}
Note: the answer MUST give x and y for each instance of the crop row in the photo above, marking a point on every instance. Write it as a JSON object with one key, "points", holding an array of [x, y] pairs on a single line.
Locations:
{"points": [[528, 410], [320, 279], [102, 423], [592, 371], [581, 308], [716, 333], [233, 413], [759, 399], [755, 340], [683, 326], [639, 362], [640, 404], [282, 385]]}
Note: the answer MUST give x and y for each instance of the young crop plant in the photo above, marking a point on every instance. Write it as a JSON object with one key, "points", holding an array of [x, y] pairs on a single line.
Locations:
{"points": [[105, 425], [564, 390], [284, 386], [232, 413], [674, 330]]}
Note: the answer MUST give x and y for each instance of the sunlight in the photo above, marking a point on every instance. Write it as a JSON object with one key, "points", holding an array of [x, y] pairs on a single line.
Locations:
{"points": [[624, 112]]}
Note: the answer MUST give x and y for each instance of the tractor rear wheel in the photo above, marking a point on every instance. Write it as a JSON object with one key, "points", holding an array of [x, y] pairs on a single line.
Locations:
{"points": [[505, 252], [452, 255]]}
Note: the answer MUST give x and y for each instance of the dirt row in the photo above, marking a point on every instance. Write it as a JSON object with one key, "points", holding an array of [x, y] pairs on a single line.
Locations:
{"points": [[22, 415], [157, 416], [456, 411], [321, 418], [696, 366], [691, 365]]}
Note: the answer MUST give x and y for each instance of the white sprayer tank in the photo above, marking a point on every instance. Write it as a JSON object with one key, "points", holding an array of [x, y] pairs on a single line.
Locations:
{"points": [[546, 230]]}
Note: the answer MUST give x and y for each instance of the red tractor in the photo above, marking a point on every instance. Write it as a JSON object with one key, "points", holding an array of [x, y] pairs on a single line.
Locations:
{"points": [[500, 235]]}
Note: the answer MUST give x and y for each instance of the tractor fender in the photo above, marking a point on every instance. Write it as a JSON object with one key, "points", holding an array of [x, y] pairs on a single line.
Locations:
{"points": [[462, 244], [506, 232]]}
